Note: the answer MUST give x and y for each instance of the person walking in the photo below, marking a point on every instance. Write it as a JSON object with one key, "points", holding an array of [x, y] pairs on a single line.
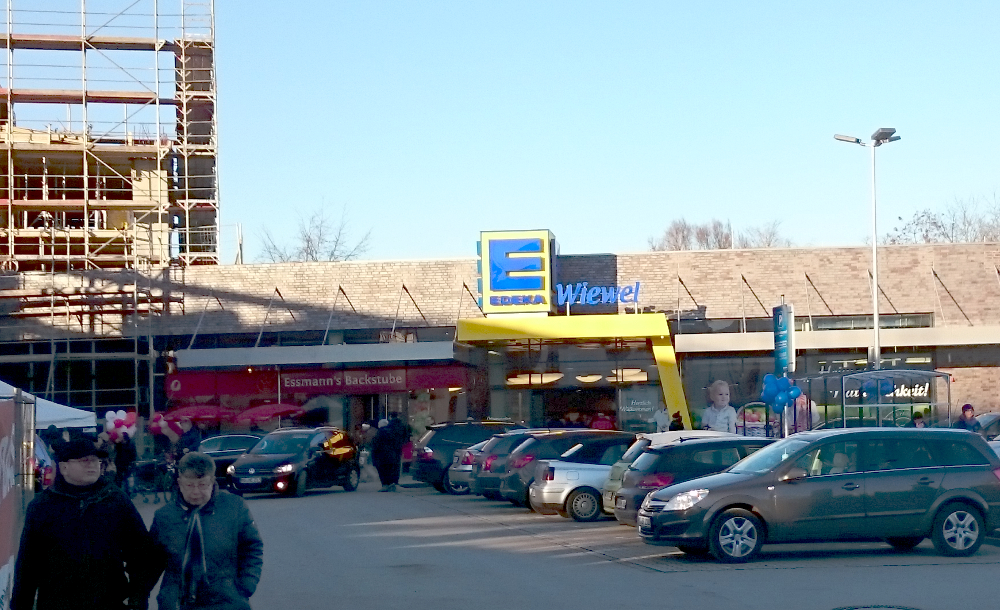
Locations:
{"points": [[84, 545], [125, 456], [386, 455], [207, 544]]}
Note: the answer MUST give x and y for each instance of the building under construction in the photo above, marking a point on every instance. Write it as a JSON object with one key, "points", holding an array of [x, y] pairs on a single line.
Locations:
{"points": [[109, 133], [109, 182]]}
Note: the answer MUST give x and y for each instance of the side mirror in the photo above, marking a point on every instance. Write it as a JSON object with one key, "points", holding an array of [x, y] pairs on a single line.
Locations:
{"points": [[793, 474]]}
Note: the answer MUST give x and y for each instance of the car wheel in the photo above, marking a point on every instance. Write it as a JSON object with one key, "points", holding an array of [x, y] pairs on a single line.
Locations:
{"points": [[958, 530], [352, 480], [736, 536], [695, 551], [440, 487], [907, 543], [455, 489], [492, 495], [301, 482], [584, 505]]}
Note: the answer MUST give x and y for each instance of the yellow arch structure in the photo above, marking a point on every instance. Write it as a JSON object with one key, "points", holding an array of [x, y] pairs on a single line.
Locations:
{"points": [[652, 326]]}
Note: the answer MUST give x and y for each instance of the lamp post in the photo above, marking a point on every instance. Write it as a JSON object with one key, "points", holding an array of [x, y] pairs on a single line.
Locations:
{"points": [[880, 137]]}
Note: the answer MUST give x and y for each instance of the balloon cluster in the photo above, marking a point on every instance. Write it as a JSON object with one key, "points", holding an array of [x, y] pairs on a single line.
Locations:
{"points": [[117, 424], [779, 391], [161, 425]]}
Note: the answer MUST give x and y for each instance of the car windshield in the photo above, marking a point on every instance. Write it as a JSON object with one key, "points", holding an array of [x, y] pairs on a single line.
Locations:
{"points": [[281, 443], [767, 458]]}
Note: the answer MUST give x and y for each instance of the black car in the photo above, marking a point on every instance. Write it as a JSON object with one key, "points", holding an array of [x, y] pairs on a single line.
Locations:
{"points": [[491, 463], [520, 470], [225, 449], [662, 465], [899, 485], [293, 460], [432, 454]]}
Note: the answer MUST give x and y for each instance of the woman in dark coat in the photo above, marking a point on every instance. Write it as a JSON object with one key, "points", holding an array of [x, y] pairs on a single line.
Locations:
{"points": [[385, 455]]}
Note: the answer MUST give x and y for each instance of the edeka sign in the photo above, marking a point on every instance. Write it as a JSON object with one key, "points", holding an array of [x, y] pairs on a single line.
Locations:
{"points": [[516, 269], [582, 294], [376, 381]]}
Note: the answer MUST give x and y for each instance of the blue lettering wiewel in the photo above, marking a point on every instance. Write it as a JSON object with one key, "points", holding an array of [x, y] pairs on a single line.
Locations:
{"points": [[582, 294]]}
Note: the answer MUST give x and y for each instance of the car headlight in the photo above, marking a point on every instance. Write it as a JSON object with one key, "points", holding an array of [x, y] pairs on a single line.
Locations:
{"points": [[685, 500], [285, 468], [231, 469]]}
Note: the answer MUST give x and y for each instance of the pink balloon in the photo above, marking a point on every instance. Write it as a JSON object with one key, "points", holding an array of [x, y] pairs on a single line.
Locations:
{"points": [[130, 418], [113, 435], [119, 423]]}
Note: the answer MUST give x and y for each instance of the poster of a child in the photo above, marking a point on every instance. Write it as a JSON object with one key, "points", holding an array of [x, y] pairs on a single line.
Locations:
{"points": [[719, 415]]}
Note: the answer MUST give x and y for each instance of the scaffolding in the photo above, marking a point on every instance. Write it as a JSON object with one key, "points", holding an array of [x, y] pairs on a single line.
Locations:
{"points": [[109, 133]]}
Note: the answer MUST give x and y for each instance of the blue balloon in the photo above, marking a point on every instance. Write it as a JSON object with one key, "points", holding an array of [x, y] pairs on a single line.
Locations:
{"points": [[770, 379], [781, 399], [794, 392], [769, 393], [784, 384]]}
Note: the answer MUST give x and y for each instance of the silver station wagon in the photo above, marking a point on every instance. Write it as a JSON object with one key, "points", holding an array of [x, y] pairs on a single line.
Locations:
{"points": [[899, 485]]}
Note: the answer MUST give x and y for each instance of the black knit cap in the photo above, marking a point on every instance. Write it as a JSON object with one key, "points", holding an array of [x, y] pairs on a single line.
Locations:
{"points": [[75, 449]]}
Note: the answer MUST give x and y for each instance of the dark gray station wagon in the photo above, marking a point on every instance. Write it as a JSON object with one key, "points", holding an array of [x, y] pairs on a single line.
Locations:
{"points": [[899, 485]]}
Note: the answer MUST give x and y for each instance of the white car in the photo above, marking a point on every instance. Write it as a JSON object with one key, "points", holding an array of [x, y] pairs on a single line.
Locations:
{"points": [[570, 486]]}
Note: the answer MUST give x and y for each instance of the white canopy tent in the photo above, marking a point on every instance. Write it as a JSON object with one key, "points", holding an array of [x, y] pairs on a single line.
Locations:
{"points": [[48, 413]]}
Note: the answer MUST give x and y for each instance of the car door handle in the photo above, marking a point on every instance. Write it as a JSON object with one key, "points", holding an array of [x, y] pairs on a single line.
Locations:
{"points": [[925, 481], [851, 486]]}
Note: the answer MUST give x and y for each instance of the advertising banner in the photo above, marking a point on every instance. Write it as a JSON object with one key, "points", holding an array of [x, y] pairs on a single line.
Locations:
{"points": [[374, 381], [10, 504], [784, 339]]}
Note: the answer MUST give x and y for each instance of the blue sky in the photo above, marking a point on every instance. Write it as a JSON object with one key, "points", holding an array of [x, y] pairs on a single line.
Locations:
{"points": [[602, 121]]}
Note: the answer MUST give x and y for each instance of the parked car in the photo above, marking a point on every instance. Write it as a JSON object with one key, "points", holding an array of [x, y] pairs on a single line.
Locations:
{"points": [[570, 485], [990, 423], [642, 442], [456, 480], [434, 451], [520, 470], [682, 460], [491, 463], [225, 449], [293, 460], [899, 485]]}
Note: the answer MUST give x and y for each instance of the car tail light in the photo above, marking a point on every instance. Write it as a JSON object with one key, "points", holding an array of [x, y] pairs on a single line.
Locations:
{"points": [[468, 459], [996, 473], [522, 461], [488, 463], [654, 481], [550, 474], [426, 455]]}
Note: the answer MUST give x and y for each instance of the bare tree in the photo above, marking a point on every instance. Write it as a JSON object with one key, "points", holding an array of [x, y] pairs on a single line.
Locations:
{"points": [[717, 235], [764, 236], [319, 238], [678, 236], [976, 219]]}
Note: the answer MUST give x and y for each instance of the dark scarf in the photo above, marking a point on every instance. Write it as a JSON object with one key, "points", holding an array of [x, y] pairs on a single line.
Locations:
{"points": [[193, 566]]}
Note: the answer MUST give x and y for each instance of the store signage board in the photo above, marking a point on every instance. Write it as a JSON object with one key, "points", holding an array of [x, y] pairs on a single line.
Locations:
{"points": [[517, 271], [784, 339], [376, 381]]}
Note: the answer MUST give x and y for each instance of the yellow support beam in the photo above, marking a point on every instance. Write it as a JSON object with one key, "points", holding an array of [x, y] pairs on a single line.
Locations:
{"points": [[652, 326]]}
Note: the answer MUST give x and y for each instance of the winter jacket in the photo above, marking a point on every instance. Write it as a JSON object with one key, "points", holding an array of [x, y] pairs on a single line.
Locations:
{"points": [[82, 548], [233, 551]]}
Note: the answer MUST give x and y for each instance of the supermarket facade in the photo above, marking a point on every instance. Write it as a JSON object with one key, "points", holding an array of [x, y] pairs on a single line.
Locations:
{"points": [[518, 331]]}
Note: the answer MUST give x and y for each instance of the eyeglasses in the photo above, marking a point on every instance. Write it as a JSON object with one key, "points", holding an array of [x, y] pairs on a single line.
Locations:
{"points": [[199, 485], [90, 459]]}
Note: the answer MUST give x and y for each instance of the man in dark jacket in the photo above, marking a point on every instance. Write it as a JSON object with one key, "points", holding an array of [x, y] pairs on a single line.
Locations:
{"points": [[386, 453], [84, 545], [207, 543]]}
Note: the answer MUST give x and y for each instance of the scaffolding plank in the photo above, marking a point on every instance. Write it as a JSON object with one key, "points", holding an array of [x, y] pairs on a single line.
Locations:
{"points": [[61, 42], [70, 96]]}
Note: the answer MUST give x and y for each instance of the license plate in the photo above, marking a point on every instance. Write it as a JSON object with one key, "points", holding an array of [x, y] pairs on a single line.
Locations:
{"points": [[645, 522], [621, 503], [250, 480]]}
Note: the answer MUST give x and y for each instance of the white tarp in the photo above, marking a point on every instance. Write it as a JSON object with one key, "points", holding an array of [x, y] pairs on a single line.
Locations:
{"points": [[48, 413]]}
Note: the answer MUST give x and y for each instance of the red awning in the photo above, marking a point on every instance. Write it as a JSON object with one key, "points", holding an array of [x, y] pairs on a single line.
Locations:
{"points": [[263, 413], [199, 413]]}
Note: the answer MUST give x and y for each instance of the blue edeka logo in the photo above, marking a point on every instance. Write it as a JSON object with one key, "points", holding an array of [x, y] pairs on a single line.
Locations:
{"points": [[502, 265], [580, 294]]}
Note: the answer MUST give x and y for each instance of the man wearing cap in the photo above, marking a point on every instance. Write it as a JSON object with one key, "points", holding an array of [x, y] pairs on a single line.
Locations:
{"points": [[968, 420], [84, 545]]}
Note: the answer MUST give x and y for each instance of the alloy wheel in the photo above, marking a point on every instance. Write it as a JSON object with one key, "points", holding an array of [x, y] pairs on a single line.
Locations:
{"points": [[738, 537], [961, 530]]}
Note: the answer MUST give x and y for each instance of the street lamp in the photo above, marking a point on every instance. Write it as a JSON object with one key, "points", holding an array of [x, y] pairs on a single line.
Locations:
{"points": [[880, 137]]}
